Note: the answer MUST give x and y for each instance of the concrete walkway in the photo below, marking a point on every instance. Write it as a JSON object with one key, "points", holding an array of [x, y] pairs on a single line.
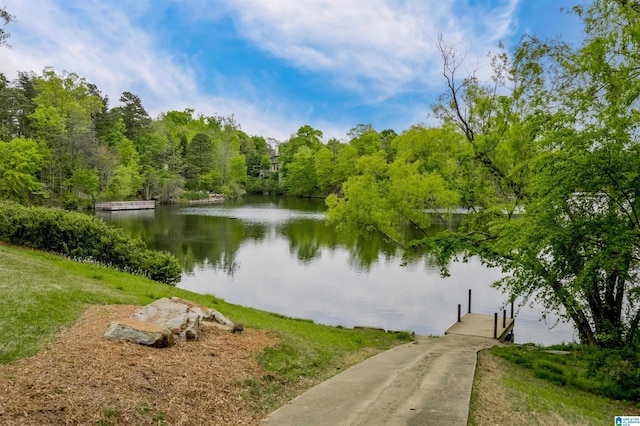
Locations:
{"points": [[427, 382]]}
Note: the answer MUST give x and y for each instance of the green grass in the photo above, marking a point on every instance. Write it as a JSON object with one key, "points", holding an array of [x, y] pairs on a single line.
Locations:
{"points": [[611, 372], [42, 293], [535, 400]]}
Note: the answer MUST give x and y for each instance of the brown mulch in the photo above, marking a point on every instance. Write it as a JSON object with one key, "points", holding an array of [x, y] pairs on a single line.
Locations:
{"points": [[85, 378]]}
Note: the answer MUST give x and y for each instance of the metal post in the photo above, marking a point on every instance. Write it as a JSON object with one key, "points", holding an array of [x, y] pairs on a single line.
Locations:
{"points": [[459, 308], [504, 319], [469, 311], [495, 325], [512, 309]]}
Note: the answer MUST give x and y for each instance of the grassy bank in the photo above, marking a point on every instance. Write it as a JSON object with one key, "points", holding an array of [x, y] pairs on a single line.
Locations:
{"points": [[43, 293], [505, 392]]}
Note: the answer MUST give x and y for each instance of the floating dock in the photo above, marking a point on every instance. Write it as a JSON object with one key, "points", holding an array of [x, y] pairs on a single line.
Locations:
{"points": [[126, 205]]}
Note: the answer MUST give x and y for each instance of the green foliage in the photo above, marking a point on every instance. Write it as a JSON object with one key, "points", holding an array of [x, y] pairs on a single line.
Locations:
{"points": [[527, 399], [86, 181], [383, 197], [614, 373], [84, 237], [261, 186], [543, 158], [300, 177], [194, 195], [20, 161], [200, 158]]}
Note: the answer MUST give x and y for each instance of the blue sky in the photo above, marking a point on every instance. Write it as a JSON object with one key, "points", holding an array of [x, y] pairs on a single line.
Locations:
{"points": [[275, 64]]}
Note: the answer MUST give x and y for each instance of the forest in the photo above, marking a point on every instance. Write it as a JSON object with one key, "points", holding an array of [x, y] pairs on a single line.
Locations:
{"points": [[64, 145]]}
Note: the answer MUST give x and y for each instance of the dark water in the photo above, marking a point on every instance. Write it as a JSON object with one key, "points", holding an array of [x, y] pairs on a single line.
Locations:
{"points": [[280, 255]]}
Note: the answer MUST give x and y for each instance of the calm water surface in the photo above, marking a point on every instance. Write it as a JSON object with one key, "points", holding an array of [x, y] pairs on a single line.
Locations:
{"points": [[279, 255]]}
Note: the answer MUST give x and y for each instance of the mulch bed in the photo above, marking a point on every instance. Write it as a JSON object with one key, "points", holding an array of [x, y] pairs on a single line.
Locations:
{"points": [[85, 378]]}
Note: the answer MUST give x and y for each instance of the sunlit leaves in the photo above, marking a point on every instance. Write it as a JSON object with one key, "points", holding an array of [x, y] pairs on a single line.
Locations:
{"points": [[20, 160]]}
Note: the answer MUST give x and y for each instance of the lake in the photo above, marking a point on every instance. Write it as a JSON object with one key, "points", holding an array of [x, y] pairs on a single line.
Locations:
{"points": [[280, 255]]}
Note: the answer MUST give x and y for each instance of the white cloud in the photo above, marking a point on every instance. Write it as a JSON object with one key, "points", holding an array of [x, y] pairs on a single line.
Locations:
{"points": [[375, 46], [95, 41]]}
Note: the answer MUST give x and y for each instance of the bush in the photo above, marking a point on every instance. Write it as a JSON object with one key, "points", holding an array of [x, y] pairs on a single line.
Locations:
{"points": [[85, 238]]}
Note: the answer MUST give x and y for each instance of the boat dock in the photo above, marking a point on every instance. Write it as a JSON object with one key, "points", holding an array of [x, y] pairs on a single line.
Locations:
{"points": [[125, 205], [494, 326]]}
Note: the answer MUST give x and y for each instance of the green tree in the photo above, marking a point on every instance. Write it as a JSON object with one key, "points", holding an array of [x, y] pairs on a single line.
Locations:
{"points": [[85, 181], [324, 169], [546, 160], [306, 136], [135, 117], [20, 161], [64, 119], [200, 158], [255, 149], [16, 104], [300, 177]]}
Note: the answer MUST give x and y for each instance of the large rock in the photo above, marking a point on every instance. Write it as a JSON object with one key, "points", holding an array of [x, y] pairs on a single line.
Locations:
{"points": [[183, 321], [178, 318], [207, 313], [143, 332]]}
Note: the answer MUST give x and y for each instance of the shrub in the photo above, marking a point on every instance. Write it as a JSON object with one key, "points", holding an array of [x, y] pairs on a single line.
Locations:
{"points": [[85, 238]]}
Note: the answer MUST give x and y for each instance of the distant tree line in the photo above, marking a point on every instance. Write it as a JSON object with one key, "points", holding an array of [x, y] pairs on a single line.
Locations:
{"points": [[62, 144]]}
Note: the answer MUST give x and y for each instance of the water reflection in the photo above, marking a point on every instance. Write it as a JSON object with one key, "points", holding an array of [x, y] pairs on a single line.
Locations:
{"points": [[281, 256]]}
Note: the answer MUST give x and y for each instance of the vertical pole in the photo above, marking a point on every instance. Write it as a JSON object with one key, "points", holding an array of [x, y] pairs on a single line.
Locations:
{"points": [[512, 309], [459, 307], [504, 319], [495, 325], [469, 311]]}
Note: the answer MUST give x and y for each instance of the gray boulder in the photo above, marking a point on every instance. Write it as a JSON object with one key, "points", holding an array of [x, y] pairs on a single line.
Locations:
{"points": [[179, 318], [207, 313], [143, 332]]}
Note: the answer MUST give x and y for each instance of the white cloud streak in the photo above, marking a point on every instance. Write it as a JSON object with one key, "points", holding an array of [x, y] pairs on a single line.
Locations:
{"points": [[372, 46]]}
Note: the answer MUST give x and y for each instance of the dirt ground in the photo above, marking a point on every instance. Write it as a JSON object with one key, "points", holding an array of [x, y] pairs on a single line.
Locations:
{"points": [[85, 378]]}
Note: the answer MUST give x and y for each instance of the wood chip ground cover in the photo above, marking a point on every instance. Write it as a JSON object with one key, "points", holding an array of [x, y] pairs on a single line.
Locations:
{"points": [[85, 378]]}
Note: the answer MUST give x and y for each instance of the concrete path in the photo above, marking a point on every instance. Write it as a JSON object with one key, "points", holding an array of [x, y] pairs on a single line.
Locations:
{"points": [[427, 382]]}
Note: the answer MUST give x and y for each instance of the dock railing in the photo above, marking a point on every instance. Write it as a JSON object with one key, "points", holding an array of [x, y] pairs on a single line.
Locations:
{"points": [[480, 325]]}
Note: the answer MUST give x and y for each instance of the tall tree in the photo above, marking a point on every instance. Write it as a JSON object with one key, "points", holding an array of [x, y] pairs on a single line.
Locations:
{"points": [[20, 161], [306, 136], [136, 119], [545, 158], [200, 158], [64, 119]]}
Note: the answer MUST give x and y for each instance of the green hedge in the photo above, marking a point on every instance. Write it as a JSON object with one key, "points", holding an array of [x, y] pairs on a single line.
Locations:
{"points": [[86, 238]]}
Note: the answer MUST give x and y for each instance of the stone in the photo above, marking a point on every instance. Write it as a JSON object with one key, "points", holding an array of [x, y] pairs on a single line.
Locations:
{"points": [[180, 318], [177, 317], [143, 332], [209, 314]]}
